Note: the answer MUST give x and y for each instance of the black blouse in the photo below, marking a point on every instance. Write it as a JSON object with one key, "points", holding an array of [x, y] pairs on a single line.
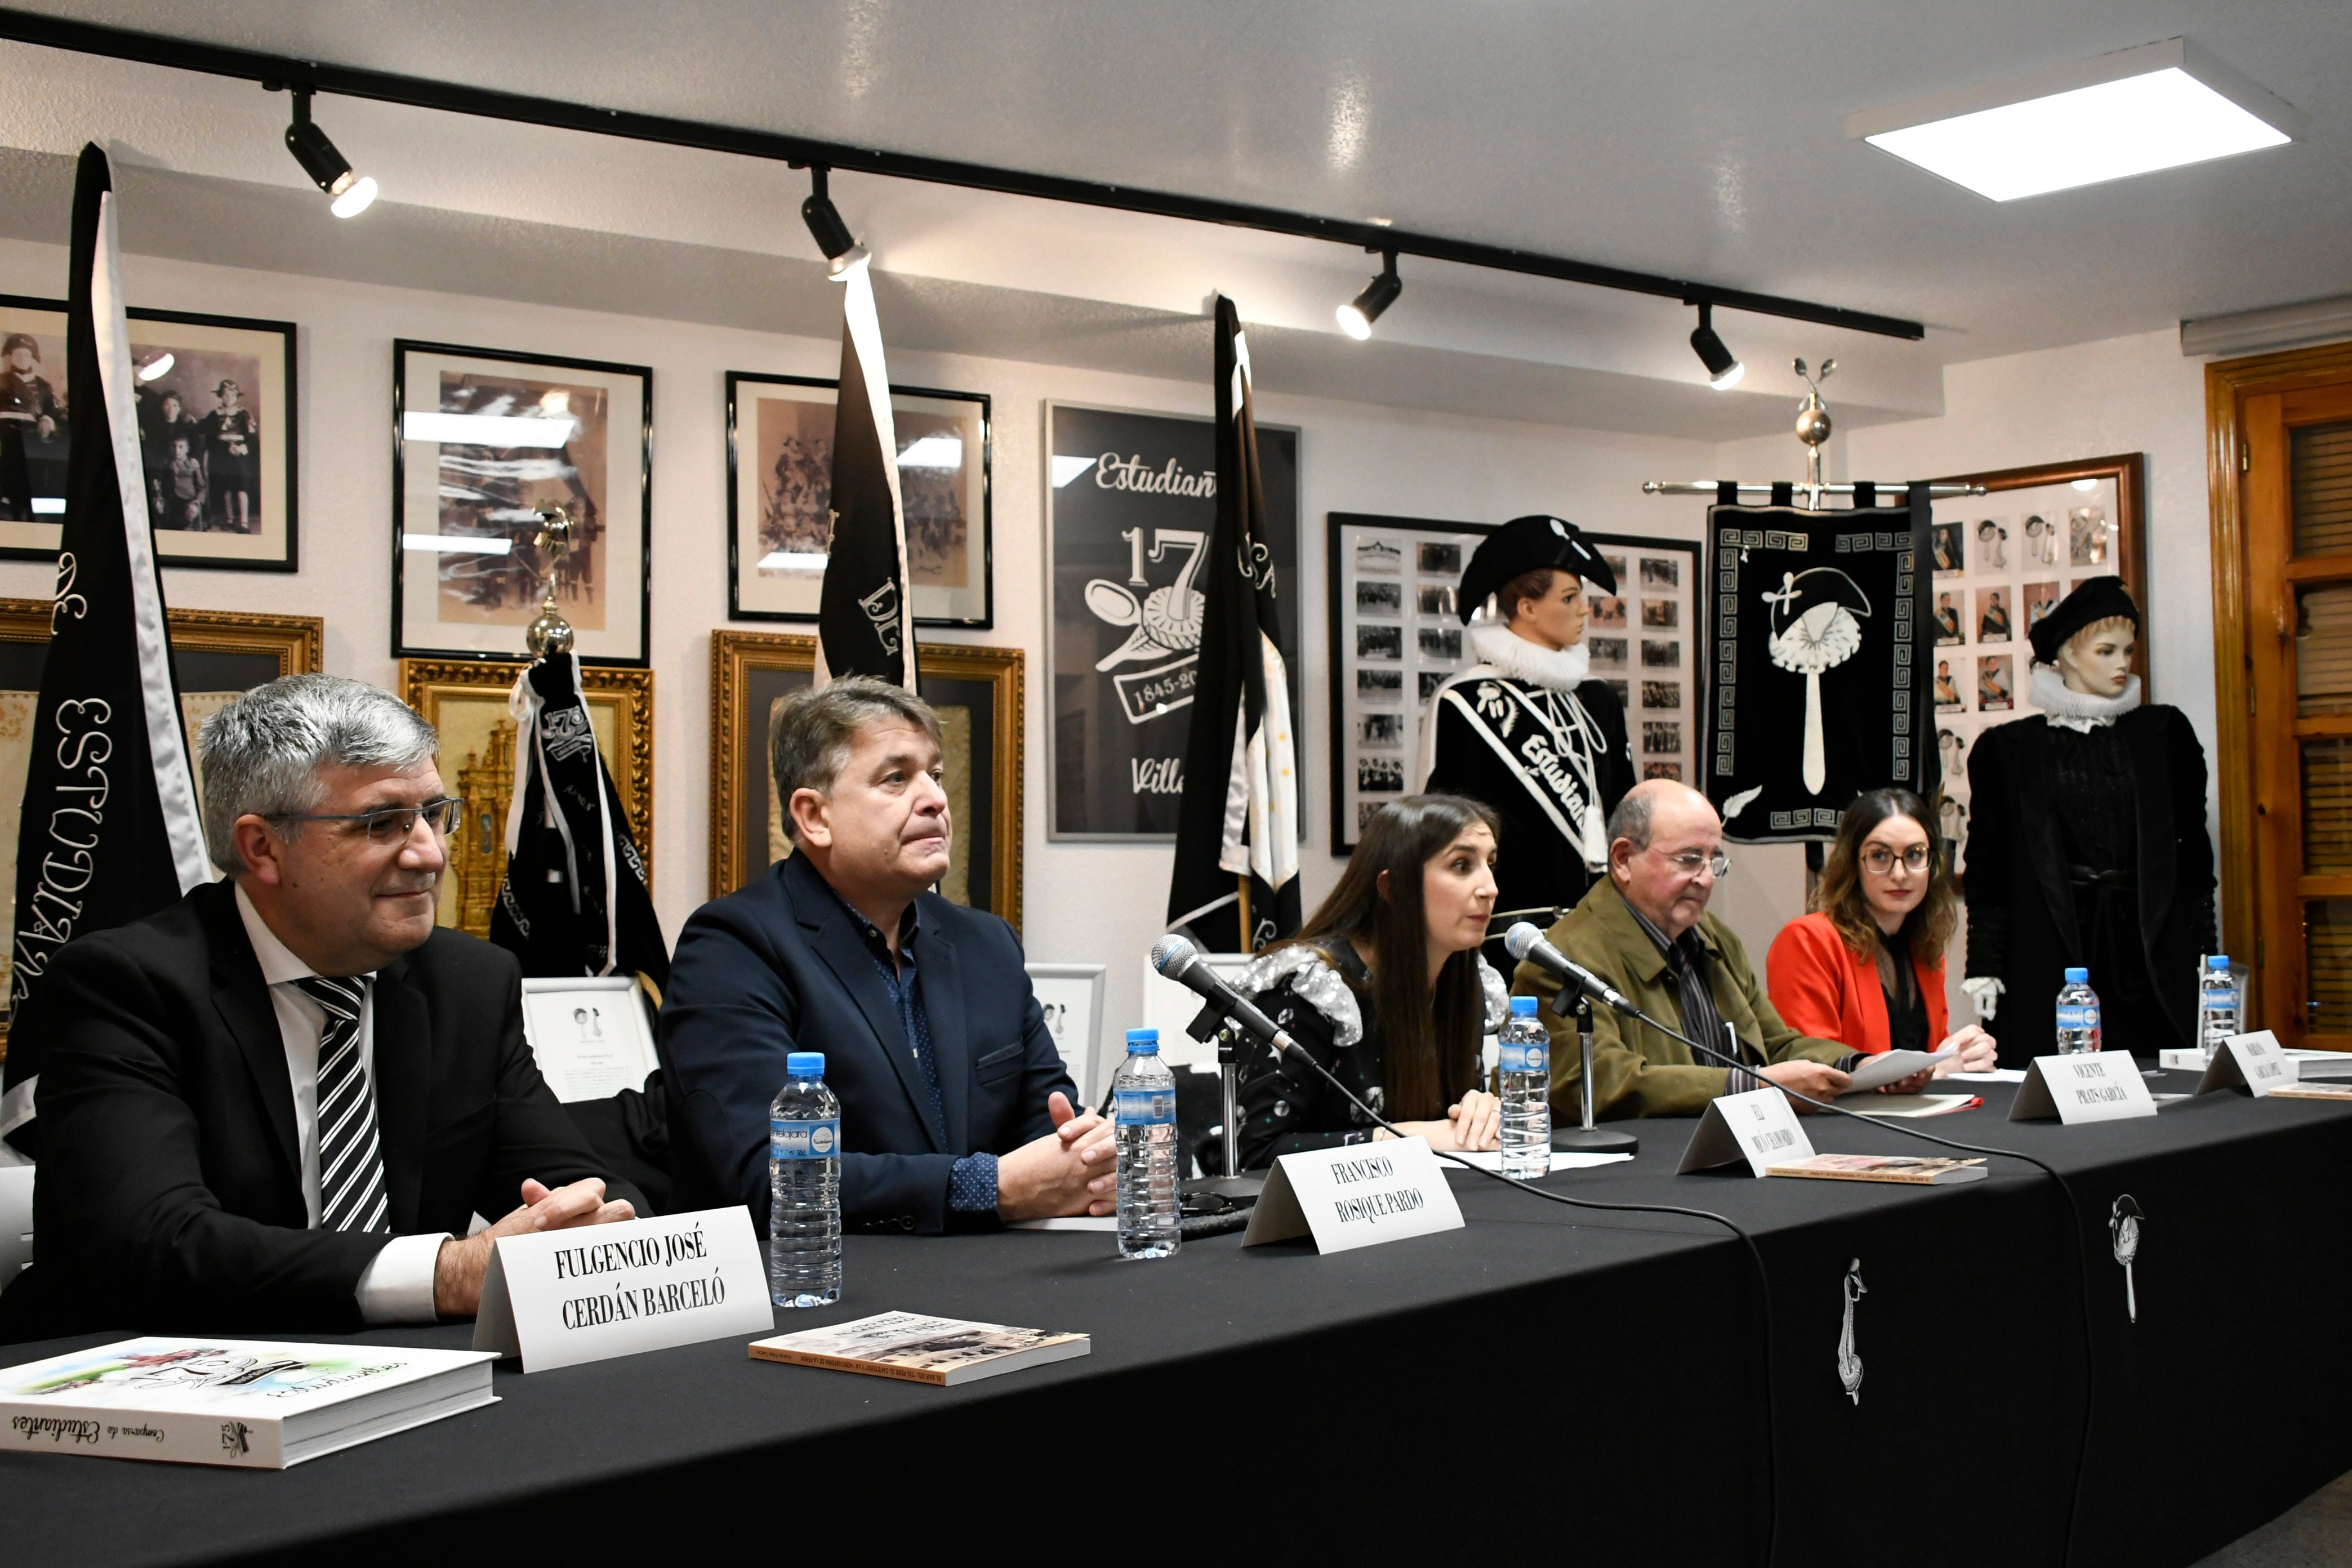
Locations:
{"points": [[1906, 1009], [1287, 1108]]}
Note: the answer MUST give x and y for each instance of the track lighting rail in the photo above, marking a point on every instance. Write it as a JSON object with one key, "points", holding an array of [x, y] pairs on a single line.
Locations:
{"points": [[148, 49]]}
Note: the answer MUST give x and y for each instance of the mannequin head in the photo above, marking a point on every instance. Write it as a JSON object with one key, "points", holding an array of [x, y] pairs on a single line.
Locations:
{"points": [[2096, 660], [1544, 607]]}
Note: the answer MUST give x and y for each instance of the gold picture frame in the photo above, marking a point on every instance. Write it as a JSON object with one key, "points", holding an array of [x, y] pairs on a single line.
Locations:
{"points": [[979, 693], [465, 700], [218, 655]]}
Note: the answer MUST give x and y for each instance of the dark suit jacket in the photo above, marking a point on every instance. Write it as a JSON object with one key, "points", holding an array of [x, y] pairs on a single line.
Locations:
{"points": [[170, 1194], [780, 967]]}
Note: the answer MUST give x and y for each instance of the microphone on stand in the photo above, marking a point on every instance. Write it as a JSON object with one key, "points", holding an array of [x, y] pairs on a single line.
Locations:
{"points": [[1175, 958], [1523, 941], [1527, 944]]}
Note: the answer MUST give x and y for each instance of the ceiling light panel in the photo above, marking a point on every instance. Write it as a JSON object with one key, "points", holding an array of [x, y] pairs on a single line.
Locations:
{"points": [[2156, 106]]}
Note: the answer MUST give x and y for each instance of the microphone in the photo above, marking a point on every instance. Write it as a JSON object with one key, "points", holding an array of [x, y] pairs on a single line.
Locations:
{"points": [[1525, 944], [1177, 959]]}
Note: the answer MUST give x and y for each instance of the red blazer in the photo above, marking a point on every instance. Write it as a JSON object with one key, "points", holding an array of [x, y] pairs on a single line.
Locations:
{"points": [[1824, 988]]}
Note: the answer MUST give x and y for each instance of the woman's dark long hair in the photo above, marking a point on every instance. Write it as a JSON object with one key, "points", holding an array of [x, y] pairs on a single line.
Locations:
{"points": [[1430, 1034], [1927, 929]]}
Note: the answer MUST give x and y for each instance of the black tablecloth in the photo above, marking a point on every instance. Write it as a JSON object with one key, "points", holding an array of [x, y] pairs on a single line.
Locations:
{"points": [[1543, 1378]]}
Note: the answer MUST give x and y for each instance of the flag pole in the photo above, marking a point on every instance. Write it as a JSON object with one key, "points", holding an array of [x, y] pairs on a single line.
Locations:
{"points": [[1247, 925]]}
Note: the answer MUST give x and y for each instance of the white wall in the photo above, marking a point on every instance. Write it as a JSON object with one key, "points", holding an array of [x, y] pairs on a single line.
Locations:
{"points": [[1083, 902]]}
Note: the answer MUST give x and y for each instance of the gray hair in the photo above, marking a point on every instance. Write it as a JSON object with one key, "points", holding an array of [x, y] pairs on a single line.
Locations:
{"points": [[812, 731], [1631, 820], [261, 755]]}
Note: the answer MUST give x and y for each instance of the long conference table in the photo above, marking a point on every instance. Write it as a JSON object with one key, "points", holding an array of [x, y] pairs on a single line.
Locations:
{"points": [[1588, 1385]]}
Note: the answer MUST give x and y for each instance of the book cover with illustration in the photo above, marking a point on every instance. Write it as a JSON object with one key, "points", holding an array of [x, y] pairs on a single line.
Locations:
{"points": [[919, 1348], [1913, 1169], [256, 1404]]}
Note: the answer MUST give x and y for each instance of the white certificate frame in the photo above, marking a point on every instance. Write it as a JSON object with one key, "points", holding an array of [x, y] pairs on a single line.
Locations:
{"points": [[617, 1053], [1072, 997]]}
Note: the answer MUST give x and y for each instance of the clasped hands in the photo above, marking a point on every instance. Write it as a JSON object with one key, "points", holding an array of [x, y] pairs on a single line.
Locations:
{"points": [[457, 1271], [1073, 1170]]}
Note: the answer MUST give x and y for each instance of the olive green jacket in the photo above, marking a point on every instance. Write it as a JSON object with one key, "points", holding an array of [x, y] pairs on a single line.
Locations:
{"points": [[1636, 1070]]}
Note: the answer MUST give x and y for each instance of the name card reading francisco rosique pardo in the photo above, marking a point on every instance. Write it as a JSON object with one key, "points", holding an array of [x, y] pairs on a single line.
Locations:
{"points": [[1354, 1196]]}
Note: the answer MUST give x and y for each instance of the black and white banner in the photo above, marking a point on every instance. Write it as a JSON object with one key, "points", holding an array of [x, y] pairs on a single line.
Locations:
{"points": [[109, 831], [866, 618], [1821, 634], [574, 900]]}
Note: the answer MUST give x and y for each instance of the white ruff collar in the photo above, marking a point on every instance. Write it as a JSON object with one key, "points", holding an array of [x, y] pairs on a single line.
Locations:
{"points": [[1563, 669], [2078, 709]]}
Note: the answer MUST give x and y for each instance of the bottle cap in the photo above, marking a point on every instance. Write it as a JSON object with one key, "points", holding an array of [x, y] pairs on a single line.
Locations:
{"points": [[2217, 961], [1143, 1042], [804, 1064], [1523, 1006], [2078, 976]]}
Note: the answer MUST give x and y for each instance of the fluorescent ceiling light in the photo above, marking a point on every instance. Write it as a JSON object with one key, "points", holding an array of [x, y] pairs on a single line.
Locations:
{"points": [[458, 543], [2155, 107], [933, 452], [48, 506], [790, 561], [1068, 469], [487, 429]]}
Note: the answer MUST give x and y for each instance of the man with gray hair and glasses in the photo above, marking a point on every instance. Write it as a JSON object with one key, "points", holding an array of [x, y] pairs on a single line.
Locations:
{"points": [[1644, 928], [956, 1112], [275, 1104]]}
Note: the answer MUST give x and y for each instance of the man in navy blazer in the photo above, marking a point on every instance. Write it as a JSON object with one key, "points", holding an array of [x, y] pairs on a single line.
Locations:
{"points": [[956, 1112]]}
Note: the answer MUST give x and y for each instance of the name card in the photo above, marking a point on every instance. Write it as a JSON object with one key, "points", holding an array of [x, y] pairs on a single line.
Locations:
{"points": [[1355, 1197], [564, 1297], [2253, 1062], [2104, 1086], [1759, 1126]]}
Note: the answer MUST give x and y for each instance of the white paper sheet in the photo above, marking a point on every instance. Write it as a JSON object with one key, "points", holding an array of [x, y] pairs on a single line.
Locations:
{"points": [[1998, 1075], [1887, 1066]]}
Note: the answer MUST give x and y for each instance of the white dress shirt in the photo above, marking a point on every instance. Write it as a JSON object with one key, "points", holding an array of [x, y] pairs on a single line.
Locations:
{"points": [[398, 1286]]}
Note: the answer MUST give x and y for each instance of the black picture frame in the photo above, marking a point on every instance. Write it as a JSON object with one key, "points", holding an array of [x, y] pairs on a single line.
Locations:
{"points": [[978, 471], [506, 642], [278, 407]]}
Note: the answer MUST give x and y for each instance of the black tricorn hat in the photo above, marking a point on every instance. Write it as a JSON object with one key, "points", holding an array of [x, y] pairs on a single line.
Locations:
{"points": [[1526, 544], [2099, 599]]}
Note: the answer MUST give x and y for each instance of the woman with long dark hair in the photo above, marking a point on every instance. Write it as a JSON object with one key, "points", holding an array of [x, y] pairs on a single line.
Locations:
{"points": [[1384, 986], [1866, 967]]}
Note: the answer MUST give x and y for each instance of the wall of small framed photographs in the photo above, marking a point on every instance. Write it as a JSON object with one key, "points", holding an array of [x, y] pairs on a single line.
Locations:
{"points": [[2002, 561], [1397, 634]]}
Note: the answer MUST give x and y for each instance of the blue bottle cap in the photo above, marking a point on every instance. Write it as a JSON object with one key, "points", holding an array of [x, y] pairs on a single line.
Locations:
{"points": [[2078, 976], [1143, 1042], [2218, 961], [804, 1064], [1523, 1006]]}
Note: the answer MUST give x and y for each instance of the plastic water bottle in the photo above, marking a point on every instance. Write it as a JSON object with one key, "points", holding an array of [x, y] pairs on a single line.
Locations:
{"points": [[2078, 1014], [1525, 1081], [1143, 1092], [2217, 1004], [804, 1187]]}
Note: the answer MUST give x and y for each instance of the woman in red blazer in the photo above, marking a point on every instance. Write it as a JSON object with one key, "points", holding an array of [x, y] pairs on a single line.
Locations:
{"points": [[1867, 966]]}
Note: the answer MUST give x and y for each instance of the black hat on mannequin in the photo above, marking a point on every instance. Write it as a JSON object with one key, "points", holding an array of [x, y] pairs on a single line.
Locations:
{"points": [[2100, 599], [1526, 544]]}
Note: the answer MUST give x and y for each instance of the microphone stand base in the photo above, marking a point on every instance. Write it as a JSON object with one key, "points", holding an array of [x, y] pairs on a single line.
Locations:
{"points": [[1220, 1194], [1593, 1141]]}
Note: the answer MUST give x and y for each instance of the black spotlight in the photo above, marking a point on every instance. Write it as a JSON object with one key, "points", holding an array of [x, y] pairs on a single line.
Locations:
{"points": [[353, 190], [1357, 316], [1723, 367], [841, 248]]}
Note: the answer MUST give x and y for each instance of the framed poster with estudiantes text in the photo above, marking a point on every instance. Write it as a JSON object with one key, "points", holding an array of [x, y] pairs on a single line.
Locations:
{"points": [[216, 415], [780, 499], [481, 439], [975, 691], [1131, 500]]}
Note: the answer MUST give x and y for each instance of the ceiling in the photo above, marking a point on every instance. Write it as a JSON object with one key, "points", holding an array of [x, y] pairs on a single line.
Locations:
{"points": [[1671, 136]]}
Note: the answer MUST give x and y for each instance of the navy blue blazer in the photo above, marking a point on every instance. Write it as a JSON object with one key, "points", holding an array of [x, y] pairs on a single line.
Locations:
{"points": [[779, 966]]}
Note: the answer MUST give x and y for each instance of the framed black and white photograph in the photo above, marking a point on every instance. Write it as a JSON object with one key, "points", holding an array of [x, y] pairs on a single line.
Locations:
{"points": [[1657, 670], [1070, 995], [1130, 499], [780, 499], [216, 435], [483, 439]]}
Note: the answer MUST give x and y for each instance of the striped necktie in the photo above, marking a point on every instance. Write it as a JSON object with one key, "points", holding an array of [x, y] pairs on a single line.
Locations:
{"points": [[351, 1164]]}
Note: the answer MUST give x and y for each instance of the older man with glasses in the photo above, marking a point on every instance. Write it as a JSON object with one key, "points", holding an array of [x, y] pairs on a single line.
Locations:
{"points": [[275, 1104], [1644, 930]]}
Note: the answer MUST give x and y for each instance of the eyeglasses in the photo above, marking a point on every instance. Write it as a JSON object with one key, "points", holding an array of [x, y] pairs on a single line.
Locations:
{"points": [[393, 824], [1691, 863], [1879, 859]]}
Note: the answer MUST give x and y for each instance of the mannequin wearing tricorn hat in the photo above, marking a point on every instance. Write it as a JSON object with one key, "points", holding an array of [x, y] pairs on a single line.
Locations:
{"points": [[2087, 843], [28, 410], [1525, 730]]}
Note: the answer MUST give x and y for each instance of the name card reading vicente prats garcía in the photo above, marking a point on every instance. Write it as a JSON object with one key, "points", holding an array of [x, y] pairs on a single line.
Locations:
{"points": [[564, 1297], [2102, 1085], [1355, 1197]]}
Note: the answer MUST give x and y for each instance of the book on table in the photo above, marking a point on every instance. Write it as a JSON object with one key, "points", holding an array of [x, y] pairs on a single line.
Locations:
{"points": [[1913, 1169], [255, 1404], [2325, 1089], [917, 1348]]}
